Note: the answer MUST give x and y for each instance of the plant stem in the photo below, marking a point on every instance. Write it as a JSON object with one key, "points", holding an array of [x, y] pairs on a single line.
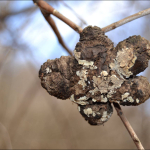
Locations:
{"points": [[128, 127], [126, 20], [49, 9]]}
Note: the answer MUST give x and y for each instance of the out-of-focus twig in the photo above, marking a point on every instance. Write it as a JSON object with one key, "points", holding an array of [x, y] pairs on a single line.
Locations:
{"points": [[126, 20], [4, 58], [49, 9], [128, 127], [55, 29], [5, 14], [78, 16]]}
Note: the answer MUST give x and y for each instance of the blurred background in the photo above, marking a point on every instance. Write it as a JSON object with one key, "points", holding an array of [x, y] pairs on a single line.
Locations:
{"points": [[32, 119]]}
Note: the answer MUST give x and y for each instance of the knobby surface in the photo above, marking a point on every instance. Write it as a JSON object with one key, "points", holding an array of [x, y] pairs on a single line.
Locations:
{"points": [[99, 74]]}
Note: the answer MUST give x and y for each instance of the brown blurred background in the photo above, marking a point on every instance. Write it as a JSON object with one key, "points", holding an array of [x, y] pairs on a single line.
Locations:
{"points": [[32, 119]]}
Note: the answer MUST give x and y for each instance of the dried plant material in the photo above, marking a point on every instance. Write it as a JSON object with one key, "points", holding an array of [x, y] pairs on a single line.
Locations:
{"points": [[96, 113], [98, 74]]}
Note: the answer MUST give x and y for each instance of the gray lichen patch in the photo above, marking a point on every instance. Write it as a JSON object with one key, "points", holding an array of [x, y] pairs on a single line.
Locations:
{"points": [[83, 77], [48, 70], [95, 90], [80, 101], [123, 62], [104, 73], [83, 98], [137, 100], [126, 58], [130, 99], [77, 55], [125, 95], [105, 116], [79, 108], [86, 64], [116, 82], [88, 111], [96, 114], [94, 100], [148, 49], [72, 98], [104, 99], [100, 84], [102, 90]]}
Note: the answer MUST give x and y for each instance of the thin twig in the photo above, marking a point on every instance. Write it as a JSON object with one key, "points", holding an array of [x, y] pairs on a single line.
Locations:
{"points": [[78, 16], [128, 127], [49, 9], [55, 29], [46, 10], [126, 20], [42, 4], [9, 13]]}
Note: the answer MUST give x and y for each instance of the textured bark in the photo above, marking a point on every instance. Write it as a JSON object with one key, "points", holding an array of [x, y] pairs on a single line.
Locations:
{"points": [[98, 74]]}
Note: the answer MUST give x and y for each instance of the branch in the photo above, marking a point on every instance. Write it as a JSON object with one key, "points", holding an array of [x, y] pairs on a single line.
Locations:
{"points": [[49, 9], [42, 4], [46, 10], [128, 126], [55, 29], [126, 20]]}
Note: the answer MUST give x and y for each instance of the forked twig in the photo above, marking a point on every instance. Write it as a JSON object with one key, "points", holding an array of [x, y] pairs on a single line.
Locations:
{"points": [[44, 7], [55, 29], [128, 127], [49, 9], [126, 20], [46, 10], [42, 4]]}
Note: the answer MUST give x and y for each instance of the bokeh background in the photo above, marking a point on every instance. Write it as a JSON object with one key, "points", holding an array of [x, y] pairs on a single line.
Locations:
{"points": [[32, 119]]}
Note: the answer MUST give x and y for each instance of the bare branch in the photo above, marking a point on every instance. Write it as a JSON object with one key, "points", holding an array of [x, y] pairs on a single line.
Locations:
{"points": [[42, 4], [49, 9], [126, 20], [128, 127], [55, 29]]}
